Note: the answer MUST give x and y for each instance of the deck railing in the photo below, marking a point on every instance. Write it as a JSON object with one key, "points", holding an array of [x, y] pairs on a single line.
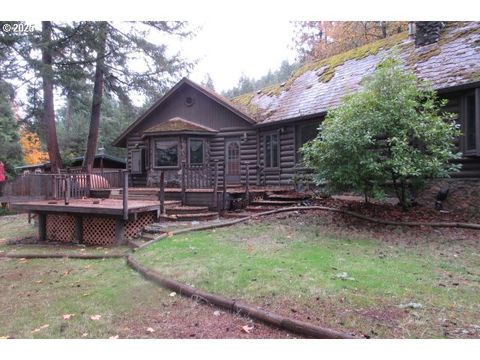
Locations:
{"points": [[53, 186]]}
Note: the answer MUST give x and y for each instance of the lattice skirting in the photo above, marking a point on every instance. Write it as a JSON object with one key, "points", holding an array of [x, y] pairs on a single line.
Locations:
{"points": [[60, 228], [134, 227], [99, 231]]}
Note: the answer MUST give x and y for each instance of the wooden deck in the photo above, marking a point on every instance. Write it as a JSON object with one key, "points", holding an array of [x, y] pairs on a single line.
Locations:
{"points": [[87, 206]]}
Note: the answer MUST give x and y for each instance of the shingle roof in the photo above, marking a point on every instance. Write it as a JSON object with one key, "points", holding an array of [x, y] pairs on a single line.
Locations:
{"points": [[319, 86], [178, 124]]}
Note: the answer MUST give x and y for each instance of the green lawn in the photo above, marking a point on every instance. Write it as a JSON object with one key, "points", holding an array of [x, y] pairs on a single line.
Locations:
{"points": [[36, 294], [294, 266]]}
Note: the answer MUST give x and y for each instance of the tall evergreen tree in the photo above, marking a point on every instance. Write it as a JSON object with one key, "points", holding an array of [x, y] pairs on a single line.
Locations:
{"points": [[10, 150]]}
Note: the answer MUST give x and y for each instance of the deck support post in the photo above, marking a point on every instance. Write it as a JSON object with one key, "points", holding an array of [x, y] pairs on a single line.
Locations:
{"points": [[224, 193], [184, 197], [161, 194], [79, 229], [42, 227], [125, 196], [247, 183], [215, 185], [120, 230]]}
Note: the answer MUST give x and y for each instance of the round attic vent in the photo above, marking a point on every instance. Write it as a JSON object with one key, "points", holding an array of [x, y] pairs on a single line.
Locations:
{"points": [[189, 101]]}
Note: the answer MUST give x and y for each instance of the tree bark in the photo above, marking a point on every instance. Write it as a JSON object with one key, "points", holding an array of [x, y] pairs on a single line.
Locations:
{"points": [[96, 100], [48, 118]]}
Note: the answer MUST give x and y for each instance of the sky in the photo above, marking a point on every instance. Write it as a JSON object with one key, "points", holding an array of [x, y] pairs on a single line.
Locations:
{"points": [[227, 48]]}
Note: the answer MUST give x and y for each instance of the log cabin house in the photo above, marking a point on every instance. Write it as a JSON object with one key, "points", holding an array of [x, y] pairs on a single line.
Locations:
{"points": [[194, 127]]}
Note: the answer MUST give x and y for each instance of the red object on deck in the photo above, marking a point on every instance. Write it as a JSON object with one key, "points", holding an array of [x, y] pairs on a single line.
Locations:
{"points": [[2, 172]]}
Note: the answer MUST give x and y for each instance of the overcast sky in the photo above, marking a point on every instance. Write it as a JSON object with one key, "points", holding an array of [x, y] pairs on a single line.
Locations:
{"points": [[226, 48]]}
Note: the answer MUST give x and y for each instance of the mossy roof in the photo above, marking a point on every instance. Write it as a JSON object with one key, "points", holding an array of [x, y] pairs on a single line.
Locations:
{"points": [[319, 86], [177, 124]]}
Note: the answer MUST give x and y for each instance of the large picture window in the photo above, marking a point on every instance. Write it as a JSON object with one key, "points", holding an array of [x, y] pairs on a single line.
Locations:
{"points": [[166, 153], [471, 124], [305, 133], [196, 148], [272, 150]]}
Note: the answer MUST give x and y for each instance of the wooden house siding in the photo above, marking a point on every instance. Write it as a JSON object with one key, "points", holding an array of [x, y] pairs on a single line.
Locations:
{"points": [[221, 124], [204, 111]]}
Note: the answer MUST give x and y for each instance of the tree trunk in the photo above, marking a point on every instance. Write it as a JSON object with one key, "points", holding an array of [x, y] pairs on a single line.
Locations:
{"points": [[96, 100], [48, 118]]}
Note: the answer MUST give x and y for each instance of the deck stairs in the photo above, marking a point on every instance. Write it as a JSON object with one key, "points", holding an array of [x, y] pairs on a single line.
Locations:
{"points": [[271, 201]]}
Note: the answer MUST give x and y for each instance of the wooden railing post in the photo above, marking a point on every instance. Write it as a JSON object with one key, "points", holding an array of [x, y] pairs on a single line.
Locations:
{"points": [[215, 185], [224, 193], [247, 183], [162, 192], [54, 186], [184, 197], [125, 195], [67, 189]]}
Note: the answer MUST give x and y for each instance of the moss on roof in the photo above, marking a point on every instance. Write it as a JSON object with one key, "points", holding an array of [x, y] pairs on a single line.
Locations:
{"points": [[446, 63], [177, 124]]}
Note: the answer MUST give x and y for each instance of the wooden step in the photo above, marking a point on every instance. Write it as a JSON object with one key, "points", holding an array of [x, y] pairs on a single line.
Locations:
{"points": [[275, 202], [191, 217], [174, 210]]}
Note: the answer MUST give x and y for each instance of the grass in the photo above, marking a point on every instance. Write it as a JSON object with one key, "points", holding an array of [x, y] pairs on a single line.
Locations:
{"points": [[15, 227], [50, 289], [285, 264]]}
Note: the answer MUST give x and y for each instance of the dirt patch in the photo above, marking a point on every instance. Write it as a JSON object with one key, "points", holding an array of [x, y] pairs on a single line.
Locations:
{"points": [[182, 318], [389, 315]]}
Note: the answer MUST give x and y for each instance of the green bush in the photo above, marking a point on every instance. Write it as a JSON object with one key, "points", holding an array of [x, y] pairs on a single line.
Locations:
{"points": [[392, 131]]}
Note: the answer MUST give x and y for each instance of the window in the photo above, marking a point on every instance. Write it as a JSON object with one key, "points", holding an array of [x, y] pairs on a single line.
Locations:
{"points": [[305, 133], [271, 151], [137, 161], [196, 151], [166, 153], [470, 123]]}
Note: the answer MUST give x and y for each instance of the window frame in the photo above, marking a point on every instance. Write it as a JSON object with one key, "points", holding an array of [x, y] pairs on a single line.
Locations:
{"points": [[155, 141], [474, 151], [269, 134], [203, 151]]}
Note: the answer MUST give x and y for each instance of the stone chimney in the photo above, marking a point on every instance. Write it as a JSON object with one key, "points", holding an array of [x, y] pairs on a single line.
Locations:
{"points": [[427, 32]]}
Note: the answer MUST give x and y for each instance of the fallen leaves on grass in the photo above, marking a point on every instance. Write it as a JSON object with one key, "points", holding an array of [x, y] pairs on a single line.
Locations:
{"points": [[95, 317], [40, 328], [247, 329], [67, 316]]}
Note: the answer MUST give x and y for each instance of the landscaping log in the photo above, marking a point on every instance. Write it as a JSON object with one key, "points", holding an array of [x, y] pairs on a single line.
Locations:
{"points": [[295, 326]]}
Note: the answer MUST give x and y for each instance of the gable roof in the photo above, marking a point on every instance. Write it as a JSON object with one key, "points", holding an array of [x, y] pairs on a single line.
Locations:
{"points": [[121, 139], [319, 86], [178, 124]]}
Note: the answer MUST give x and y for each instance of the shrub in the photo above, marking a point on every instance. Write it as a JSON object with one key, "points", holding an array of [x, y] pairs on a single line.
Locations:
{"points": [[392, 131]]}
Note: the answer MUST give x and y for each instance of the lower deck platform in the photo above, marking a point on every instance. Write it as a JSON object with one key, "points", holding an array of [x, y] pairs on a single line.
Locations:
{"points": [[90, 221]]}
